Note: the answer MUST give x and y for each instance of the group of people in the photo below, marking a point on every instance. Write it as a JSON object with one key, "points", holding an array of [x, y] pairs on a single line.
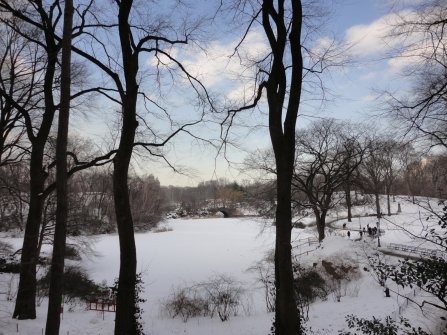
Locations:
{"points": [[371, 231]]}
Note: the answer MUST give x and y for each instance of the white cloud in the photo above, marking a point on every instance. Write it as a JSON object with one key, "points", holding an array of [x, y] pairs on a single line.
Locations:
{"points": [[376, 41], [216, 68], [371, 39], [371, 75], [369, 98]]}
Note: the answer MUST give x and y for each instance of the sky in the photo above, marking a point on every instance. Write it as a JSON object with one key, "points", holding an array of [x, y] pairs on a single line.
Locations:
{"points": [[358, 26]]}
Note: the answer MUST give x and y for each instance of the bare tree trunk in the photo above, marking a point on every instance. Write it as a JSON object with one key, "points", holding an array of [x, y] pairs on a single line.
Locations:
{"points": [[376, 194], [125, 313], [287, 317], [286, 314], [388, 203], [320, 219], [57, 262], [348, 200], [25, 307], [125, 322]]}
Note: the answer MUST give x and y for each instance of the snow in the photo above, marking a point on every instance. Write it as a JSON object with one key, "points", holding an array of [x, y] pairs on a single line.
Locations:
{"points": [[197, 249]]}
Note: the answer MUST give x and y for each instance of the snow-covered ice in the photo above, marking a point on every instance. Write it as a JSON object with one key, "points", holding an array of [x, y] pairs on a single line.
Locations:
{"points": [[197, 249]]}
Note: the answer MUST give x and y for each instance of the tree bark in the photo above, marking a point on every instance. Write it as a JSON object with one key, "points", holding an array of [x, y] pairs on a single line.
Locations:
{"points": [[320, 218], [376, 194], [388, 203], [287, 318], [348, 200], [25, 307], [125, 322], [58, 258]]}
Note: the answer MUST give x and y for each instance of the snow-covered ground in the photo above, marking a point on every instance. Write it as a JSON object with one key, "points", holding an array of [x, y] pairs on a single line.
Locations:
{"points": [[198, 249]]}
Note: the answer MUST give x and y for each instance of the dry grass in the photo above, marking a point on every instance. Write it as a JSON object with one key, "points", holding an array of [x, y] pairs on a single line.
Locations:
{"points": [[162, 229]]}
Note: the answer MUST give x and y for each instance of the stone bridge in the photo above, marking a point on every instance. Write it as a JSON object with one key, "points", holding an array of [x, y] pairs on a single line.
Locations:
{"points": [[228, 212]]}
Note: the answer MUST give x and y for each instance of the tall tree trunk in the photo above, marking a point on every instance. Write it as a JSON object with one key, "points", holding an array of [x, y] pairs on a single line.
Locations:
{"points": [[125, 313], [348, 200], [25, 307], [320, 219], [388, 202], [125, 322], [286, 313], [57, 262], [376, 194], [282, 135]]}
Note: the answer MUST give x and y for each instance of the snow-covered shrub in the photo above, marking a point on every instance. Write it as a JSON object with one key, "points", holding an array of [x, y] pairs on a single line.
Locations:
{"points": [[221, 295], [185, 303], [380, 327], [5, 248], [309, 286], [76, 285], [266, 277], [9, 264], [162, 229], [340, 272], [72, 253]]}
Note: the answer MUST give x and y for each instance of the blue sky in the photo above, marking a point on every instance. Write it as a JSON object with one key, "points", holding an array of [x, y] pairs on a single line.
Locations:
{"points": [[361, 24]]}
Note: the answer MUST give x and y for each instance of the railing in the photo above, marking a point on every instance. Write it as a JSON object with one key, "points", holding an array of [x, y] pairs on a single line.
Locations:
{"points": [[416, 250]]}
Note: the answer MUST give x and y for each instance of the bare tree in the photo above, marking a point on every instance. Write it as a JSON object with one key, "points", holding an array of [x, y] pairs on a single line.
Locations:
{"points": [[38, 128], [282, 80], [18, 67], [373, 170], [322, 166], [392, 163], [290, 61], [146, 201], [60, 233], [135, 38], [38, 23], [414, 173], [354, 150], [14, 195], [421, 33], [283, 31]]}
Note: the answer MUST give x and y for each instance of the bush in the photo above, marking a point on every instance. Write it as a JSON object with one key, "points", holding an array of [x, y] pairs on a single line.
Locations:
{"points": [[340, 273], [266, 277], [9, 265], [75, 285], [309, 285], [162, 229], [185, 303], [379, 327], [221, 295], [5, 248], [72, 253]]}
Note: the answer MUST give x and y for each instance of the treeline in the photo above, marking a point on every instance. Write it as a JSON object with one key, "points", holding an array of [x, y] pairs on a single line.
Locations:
{"points": [[336, 159], [208, 194], [90, 198]]}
